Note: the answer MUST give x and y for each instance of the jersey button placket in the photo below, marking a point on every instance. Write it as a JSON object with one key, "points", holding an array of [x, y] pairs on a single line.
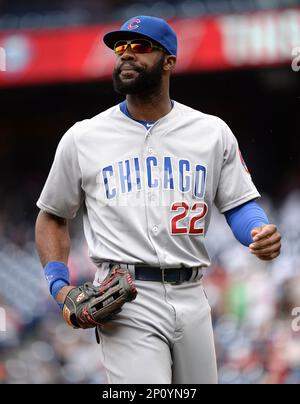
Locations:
{"points": [[151, 197], [155, 229]]}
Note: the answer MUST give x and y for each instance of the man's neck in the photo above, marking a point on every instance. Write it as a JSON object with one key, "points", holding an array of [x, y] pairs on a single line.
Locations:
{"points": [[148, 108]]}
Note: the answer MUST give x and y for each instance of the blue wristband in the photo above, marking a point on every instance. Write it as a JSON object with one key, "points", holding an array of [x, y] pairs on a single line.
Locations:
{"points": [[244, 218], [57, 286], [57, 274]]}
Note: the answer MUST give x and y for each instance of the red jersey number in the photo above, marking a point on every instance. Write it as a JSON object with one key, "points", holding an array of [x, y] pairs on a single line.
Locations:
{"points": [[191, 225]]}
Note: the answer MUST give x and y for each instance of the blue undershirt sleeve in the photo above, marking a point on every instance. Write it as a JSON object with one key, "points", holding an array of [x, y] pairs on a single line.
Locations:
{"points": [[243, 219]]}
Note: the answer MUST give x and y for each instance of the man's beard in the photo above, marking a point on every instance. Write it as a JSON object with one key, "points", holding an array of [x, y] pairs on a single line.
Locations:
{"points": [[147, 80]]}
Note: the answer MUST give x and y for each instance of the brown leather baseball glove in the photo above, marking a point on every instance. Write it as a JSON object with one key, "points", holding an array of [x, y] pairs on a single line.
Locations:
{"points": [[88, 306]]}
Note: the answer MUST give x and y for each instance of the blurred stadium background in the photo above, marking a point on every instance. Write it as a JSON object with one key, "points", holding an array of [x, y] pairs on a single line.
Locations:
{"points": [[235, 61]]}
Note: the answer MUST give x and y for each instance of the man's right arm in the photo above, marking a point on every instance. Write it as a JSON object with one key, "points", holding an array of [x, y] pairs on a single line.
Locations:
{"points": [[53, 244]]}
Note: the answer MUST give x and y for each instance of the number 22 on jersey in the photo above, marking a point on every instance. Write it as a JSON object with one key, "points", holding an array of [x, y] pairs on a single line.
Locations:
{"points": [[191, 215]]}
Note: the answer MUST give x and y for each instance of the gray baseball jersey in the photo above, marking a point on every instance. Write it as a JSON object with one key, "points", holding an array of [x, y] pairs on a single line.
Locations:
{"points": [[147, 193]]}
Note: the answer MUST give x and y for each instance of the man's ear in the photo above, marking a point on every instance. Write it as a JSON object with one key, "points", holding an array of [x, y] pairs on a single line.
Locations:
{"points": [[170, 62]]}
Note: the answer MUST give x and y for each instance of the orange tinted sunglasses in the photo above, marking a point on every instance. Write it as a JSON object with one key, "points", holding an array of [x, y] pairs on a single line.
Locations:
{"points": [[136, 45]]}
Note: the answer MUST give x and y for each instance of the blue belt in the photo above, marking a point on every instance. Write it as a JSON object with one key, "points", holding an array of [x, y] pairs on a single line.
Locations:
{"points": [[165, 275]]}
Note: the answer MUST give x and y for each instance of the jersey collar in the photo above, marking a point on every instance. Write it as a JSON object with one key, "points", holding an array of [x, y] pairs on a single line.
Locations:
{"points": [[146, 124]]}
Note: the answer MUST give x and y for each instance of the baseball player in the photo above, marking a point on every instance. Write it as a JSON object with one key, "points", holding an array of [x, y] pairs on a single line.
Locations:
{"points": [[147, 173]]}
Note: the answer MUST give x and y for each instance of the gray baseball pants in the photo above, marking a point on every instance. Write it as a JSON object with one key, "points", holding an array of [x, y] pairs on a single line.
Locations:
{"points": [[164, 336]]}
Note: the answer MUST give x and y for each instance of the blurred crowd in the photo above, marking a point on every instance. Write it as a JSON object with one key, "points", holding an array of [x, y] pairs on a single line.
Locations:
{"points": [[254, 307], [65, 13], [257, 337]]}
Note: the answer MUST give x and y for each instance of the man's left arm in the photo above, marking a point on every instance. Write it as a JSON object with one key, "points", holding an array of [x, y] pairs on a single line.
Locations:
{"points": [[250, 226]]}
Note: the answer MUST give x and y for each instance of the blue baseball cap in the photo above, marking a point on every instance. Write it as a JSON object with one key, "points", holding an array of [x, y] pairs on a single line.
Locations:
{"points": [[143, 26]]}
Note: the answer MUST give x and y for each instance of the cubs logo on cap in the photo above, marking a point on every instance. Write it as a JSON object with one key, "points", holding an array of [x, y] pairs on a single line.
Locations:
{"points": [[147, 27], [133, 24]]}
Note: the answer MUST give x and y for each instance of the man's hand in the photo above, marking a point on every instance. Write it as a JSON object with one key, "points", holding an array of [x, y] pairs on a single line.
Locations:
{"points": [[62, 294], [88, 306], [266, 242]]}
